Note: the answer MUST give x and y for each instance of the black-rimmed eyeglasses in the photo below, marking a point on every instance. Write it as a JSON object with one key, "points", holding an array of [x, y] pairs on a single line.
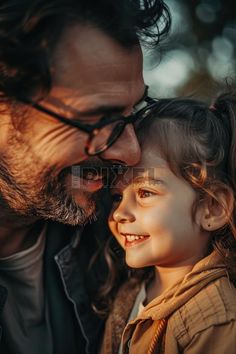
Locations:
{"points": [[107, 130]]}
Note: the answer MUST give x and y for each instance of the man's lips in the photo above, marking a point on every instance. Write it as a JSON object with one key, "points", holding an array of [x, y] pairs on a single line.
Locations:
{"points": [[90, 183], [87, 179], [134, 239]]}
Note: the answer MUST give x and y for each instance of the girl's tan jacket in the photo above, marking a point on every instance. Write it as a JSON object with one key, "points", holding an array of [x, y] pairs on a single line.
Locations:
{"points": [[196, 316]]}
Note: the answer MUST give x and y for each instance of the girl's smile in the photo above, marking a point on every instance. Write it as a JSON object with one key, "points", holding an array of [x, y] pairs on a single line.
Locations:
{"points": [[134, 239]]}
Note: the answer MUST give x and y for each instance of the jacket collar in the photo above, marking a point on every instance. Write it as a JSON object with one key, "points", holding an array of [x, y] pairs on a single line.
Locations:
{"points": [[205, 271]]}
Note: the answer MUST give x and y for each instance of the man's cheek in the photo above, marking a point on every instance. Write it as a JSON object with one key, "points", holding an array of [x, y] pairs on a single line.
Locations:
{"points": [[59, 152]]}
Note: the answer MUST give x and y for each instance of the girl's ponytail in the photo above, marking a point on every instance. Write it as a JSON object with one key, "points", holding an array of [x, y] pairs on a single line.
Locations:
{"points": [[224, 107]]}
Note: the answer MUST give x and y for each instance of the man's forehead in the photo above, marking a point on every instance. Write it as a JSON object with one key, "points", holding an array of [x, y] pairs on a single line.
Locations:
{"points": [[93, 69], [90, 48]]}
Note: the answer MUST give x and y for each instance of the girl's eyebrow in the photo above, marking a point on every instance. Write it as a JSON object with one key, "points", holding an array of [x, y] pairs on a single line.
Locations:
{"points": [[149, 179]]}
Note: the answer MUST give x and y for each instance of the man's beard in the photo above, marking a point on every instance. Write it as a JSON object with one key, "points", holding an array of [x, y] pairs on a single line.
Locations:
{"points": [[33, 191]]}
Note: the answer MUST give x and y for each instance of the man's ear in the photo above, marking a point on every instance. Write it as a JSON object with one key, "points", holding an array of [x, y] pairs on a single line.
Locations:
{"points": [[217, 208]]}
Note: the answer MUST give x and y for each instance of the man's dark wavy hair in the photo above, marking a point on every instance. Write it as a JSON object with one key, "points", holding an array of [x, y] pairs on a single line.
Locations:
{"points": [[30, 29]]}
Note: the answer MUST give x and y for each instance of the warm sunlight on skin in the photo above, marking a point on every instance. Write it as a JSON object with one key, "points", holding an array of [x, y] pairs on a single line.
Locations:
{"points": [[152, 217], [38, 158], [80, 82]]}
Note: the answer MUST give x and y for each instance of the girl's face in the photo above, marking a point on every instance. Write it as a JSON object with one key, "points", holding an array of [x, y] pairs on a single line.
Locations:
{"points": [[152, 216]]}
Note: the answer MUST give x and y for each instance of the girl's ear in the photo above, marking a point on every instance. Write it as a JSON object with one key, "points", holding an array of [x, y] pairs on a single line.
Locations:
{"points": [[217, 208]]}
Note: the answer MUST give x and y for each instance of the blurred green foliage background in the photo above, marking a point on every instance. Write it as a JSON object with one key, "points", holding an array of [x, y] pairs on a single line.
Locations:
{"points": [[199, 54]]}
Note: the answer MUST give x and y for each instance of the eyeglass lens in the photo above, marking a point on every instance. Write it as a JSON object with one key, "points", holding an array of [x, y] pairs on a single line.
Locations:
{"points": [[102, 138]]}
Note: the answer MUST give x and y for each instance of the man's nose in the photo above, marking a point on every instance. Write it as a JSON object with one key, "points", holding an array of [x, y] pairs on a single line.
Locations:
{"points": [[126, 149]]}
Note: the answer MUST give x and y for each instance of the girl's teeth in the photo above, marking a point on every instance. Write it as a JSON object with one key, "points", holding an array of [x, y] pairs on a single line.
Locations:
{"points": [[131, 238]]}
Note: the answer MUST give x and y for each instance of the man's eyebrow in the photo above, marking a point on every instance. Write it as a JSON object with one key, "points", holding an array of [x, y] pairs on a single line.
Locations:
{"points": [[91, 111], [102, 109], [113, 109]]}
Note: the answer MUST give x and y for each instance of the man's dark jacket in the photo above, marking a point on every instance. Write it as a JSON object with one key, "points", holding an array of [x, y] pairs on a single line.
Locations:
{"points": [[70, 285]]}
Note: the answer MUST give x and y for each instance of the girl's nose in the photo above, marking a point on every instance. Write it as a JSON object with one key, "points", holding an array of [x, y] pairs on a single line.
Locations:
{"points": [[123, 215]]}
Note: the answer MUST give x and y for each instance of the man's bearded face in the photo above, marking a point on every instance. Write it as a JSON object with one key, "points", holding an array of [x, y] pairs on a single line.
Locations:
{"points": [[32, 189], [92, 74]]}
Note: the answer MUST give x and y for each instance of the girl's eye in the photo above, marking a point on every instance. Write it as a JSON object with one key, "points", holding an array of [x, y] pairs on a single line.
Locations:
{"points": [[142, 193], [116, 198]]}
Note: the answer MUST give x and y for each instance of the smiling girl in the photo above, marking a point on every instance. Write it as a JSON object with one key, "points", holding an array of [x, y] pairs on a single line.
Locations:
{"points": [[174, 214]]}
